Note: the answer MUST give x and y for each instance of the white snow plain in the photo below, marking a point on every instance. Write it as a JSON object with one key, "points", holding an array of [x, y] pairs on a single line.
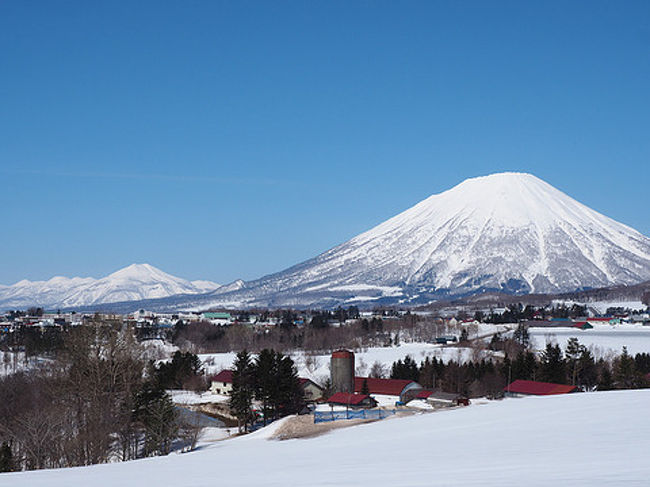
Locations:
{"points": [[602, 339], [590, 439]]}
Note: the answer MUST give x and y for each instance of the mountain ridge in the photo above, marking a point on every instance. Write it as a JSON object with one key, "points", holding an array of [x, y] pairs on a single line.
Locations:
{"points": [[509, 232], [131, 283]]}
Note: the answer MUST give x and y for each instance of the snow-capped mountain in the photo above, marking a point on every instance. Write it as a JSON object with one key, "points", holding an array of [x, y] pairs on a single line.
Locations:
{"points": [[133, 283], [509, 232]]}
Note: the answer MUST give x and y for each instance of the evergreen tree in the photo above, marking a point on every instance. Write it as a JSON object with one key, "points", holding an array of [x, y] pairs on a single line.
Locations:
{"points": [[155, 411], [364, 387], [521, 335], [290, 398], [606, 381], [266, 381], [523, 367], [552, 367], [183, 367], [243, 390], [587, 371], [408, 369], [573, 353], [277, 385], [6, 458], [625, 375]]}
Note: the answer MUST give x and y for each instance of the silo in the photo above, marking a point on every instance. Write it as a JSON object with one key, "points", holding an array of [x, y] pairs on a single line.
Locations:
{"points": [[342, 371]]}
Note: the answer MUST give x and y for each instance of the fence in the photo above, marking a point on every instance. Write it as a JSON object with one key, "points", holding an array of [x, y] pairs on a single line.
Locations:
{"points": [[326, 416]]}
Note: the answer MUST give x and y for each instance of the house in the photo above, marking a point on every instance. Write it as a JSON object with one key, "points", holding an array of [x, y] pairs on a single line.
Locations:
{"points": [[534, 388], [603, 320], [218, 318], [311, 391], [387, 387], [446, 339], [221, 383], [440, 399], [354, 401], [583, 325]]}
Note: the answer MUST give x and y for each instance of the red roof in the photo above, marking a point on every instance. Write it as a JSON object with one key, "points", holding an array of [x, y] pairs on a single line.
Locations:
{"points": [[342, 354], [538, 388], [388, 387], [423, 394], [223, 376], [347, 398]]}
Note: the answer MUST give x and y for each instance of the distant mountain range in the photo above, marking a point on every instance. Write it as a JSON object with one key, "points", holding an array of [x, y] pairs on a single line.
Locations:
{"points": [[133, 283], [508, 233]]}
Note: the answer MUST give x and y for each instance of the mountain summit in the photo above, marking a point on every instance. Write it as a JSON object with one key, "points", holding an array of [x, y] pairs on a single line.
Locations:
{"points": [[133, 283], [509, 232]]}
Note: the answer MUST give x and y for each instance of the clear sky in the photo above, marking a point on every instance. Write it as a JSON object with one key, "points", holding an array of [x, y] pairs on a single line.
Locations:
{"points": [[221, 140]]}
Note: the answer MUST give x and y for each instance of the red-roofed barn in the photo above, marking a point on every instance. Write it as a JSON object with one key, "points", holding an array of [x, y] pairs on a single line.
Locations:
{"points": [[354, 401], [387, 387], [534, 388]]}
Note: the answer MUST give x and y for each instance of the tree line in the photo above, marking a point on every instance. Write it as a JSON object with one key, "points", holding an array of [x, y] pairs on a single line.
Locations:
{"points": [[575, 365], [96, 401]]}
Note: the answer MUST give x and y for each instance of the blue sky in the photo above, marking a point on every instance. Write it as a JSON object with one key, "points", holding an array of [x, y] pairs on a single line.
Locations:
{"points": [[221, 140]]}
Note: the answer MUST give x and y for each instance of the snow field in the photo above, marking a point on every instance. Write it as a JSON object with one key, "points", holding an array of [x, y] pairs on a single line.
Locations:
{"points": [[604, 340], [591, 439]]}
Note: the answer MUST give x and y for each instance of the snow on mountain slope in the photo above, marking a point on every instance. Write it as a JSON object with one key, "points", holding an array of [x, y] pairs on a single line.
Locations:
{"points": [[512, 442], [509, 232], [133, 283]]}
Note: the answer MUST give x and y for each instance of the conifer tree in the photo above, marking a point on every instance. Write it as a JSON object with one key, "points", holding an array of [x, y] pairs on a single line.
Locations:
{"points": [[522, 336], [243, 389], [625, 376], [290, 395], [266, 381], [552, 367], [573, 353], [6, 458], [364, 387], [587, 371]]}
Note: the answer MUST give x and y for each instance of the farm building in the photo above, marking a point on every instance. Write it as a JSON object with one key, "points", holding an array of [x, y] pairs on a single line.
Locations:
{"points": [[311, 391], [440, 399], [354, 401], [221, 383], [401, 388], [534, 388]]}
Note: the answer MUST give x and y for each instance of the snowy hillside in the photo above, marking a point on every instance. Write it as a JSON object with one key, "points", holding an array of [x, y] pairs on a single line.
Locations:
{"points": [[507, 232], [593, 439], [133, 283]]}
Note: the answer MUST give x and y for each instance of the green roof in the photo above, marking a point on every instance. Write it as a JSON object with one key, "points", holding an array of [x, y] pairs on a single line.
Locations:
{"points": [[217, 316]]}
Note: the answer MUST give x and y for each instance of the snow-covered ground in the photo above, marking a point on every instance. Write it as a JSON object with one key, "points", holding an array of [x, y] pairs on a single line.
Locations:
{"points": [[593, 439], [189, 398], [12, 362], [603, 339]]}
